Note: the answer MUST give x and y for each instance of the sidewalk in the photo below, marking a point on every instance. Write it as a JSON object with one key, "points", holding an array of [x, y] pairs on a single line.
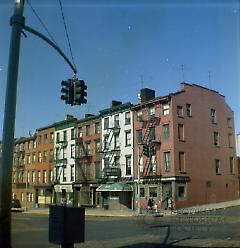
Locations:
{"points": [[128, 213]]}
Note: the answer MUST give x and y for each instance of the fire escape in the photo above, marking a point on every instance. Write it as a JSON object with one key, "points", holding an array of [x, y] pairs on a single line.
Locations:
{"points": [[60, 163], [19, 168], [150, 144], [110, 152]]}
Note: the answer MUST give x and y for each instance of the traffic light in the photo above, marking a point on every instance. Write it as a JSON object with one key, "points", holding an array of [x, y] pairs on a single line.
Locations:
{"points": [[80, 92], [67, 91], [146, 150]]}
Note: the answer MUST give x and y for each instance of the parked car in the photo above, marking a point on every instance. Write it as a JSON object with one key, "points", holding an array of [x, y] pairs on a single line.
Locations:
{"points": [[16, 206]]}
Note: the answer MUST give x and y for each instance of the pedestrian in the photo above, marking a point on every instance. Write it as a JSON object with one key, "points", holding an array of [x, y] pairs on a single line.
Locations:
{"points": [[149, 204]]}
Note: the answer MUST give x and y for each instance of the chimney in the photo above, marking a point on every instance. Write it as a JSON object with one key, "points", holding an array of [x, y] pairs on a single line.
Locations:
{"points": [[115, 103], [147, 94]]}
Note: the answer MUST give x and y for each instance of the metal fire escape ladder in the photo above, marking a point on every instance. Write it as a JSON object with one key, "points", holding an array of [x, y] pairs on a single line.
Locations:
{"points": [[58, 172], [149, 124]]}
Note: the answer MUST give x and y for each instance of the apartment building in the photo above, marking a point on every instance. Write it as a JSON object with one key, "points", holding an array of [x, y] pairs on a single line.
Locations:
{"points": [[184, 148], [64, 169], [23, 176], [88, 160], [44, 165], [117, 156]]}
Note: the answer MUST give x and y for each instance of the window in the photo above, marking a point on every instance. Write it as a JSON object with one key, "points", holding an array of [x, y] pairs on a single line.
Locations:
{"points": [[139, 115], [116, 120], [106, 162], [64, 135], [64, 152], [97, 170], [28, 159], [72, 173], [179, 111], [128, 138], [117, 161], [39, 157], [80, 132], [213, 116], [64, 174], [106, 123], [33, 157], [28, 176], [39, 176], [51, 155], [88, 149], [166, 133], [72, 151], [50, 176], [51, 137], [116, 141], [39, 139], [181, 161], [189, 110], [22, 196], [180, 132], [142, 192], [44, 156], [58, 137], [181, 192], [230, 140], [88, 130], [216, 138], [97, 146], [152, 191], [151, 133], [139, 136], [34, 144], [127, 118], [153, 168], [88, 171], [106, 143], [217, 166], [128, 165], [45, 138], [44, 176], [152, 112], [231, 166], [166, 156], [229, 122], [97, 128], [33, 176], [165, 109], [72, 134]]}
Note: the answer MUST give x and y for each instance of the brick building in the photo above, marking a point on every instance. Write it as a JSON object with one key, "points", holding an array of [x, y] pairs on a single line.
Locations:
{"points": [[184, 148], [88, 160], [44, 165], [23, 176]]}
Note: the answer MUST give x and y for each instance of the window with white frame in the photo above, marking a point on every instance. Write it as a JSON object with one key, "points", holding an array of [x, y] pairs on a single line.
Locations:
{"points": [[128, 138], [217, 166], [127, 118], [213, 116], [166, 157], [165, 109]]}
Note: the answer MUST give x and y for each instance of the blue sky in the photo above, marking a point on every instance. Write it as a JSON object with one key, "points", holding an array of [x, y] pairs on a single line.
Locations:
{"points": [[120, 47]]}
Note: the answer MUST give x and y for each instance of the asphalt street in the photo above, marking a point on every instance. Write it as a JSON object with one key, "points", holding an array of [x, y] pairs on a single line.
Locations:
{"points": [[213, 229]]}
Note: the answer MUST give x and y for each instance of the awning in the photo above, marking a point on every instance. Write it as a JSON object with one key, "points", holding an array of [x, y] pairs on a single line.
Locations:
{"points": [[114, 187]]}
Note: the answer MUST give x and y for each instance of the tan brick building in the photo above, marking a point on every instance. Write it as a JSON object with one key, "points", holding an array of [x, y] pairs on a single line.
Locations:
{"points": [[23, 177], [184, 148]]}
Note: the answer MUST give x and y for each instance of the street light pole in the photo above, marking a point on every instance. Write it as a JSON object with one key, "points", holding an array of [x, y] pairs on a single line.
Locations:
{"points": [[17, 22]]}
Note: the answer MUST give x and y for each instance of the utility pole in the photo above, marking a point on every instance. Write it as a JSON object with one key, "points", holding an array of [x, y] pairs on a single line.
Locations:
{"points": [[18, 25], [17, 22]]}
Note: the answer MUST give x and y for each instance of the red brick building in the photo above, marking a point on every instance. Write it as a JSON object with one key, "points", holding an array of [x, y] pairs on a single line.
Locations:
{"points": [[184, 148], [44, 165], [88, 160]]}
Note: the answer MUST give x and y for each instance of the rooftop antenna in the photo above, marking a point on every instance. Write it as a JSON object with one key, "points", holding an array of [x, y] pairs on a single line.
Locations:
{"points": [[183, 76], [209, 80]]}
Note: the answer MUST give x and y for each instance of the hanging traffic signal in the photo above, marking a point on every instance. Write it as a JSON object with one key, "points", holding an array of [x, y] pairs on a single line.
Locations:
{"points": [[80, 92], [67, 91], [146, 150]]}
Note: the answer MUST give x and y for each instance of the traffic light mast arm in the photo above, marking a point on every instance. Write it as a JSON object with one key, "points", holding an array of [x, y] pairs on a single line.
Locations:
{"points": [[43, 37]]}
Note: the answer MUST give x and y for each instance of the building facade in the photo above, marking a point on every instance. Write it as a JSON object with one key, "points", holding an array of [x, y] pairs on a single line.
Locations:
{"points": [[185, 150], [23, 176], [117, 156], [64, 169], [88, 160]]}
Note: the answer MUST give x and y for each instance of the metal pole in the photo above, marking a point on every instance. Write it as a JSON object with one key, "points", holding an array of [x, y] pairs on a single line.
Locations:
{"points": [[17, 22], [26, 188], [139, 158]]}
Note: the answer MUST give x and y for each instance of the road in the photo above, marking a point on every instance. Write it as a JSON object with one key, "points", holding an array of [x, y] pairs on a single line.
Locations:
{"points": [[215, 228]]}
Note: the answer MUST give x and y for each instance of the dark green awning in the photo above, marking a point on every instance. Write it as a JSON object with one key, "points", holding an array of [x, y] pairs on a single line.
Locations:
{"points": [[114, 187]]}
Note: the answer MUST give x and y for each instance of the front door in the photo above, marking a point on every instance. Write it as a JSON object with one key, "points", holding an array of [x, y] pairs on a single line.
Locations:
{"points": [[166, 194]]}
